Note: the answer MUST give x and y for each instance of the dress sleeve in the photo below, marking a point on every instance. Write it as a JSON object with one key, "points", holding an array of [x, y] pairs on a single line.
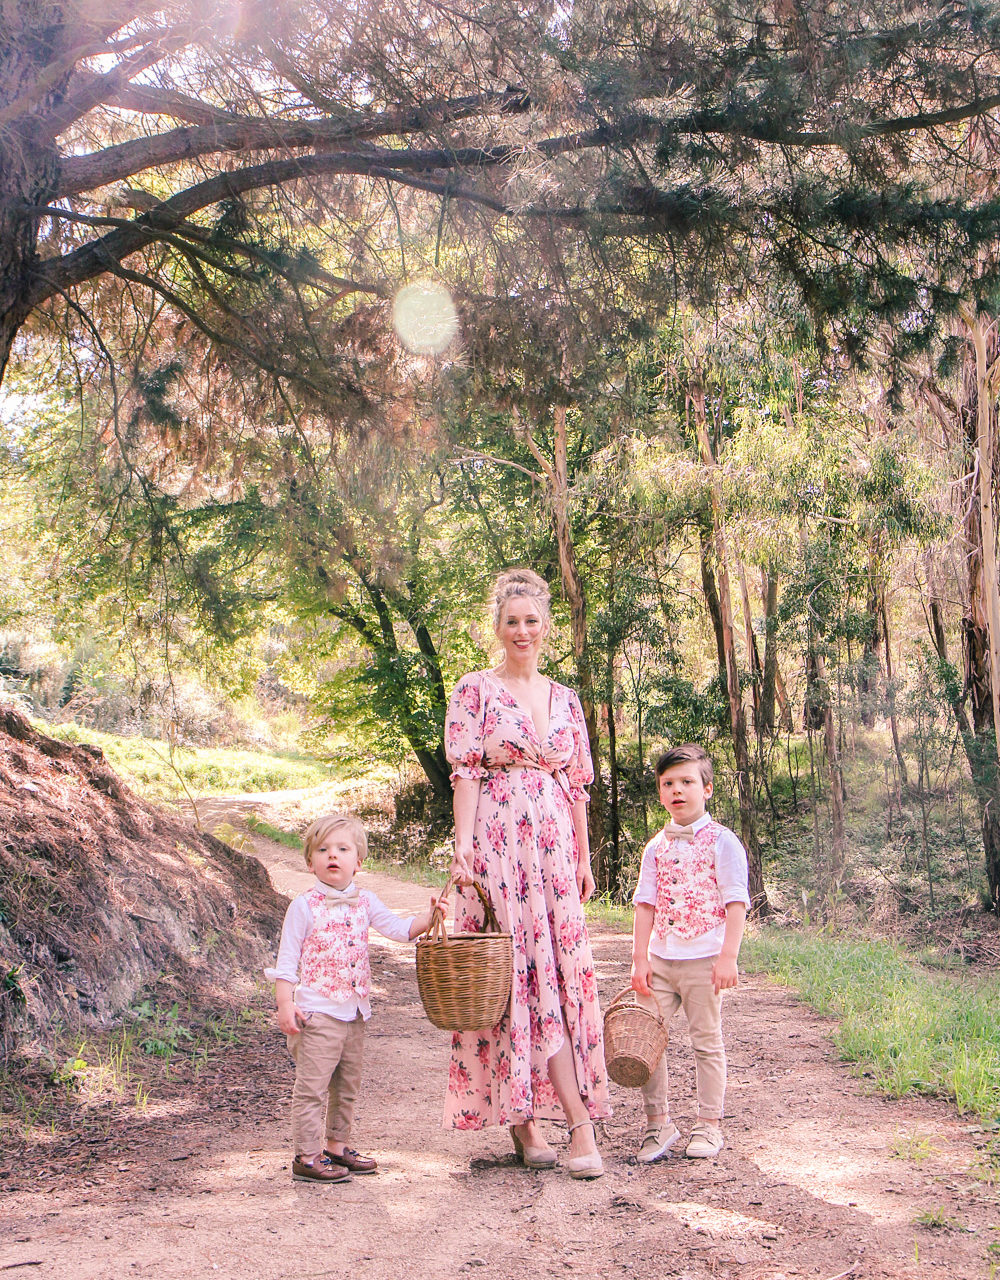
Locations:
{"points": [[580, 769], [463, 729]]}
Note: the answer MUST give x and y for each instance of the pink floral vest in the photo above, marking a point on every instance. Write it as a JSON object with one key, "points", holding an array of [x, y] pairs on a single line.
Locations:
{"points": [[334, 957], [688, 902]]}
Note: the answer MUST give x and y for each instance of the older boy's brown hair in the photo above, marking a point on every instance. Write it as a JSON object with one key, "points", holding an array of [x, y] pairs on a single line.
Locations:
{"points": [[687, 752], [317, 832]]}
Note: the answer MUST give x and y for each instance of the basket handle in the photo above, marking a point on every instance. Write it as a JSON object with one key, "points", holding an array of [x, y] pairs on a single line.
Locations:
{"points": [[437, 931], [628, 995]]}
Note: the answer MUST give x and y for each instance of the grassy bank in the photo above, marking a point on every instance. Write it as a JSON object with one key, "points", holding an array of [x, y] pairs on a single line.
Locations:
{"points": [[149, 766], [911, 1030]]}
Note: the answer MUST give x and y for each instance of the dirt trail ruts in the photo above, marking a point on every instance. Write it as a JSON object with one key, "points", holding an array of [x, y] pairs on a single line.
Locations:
{"points": [[818, 1178]]}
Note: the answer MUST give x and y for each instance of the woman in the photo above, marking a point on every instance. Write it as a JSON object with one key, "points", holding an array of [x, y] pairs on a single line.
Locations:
{"points": [[518, 745]]}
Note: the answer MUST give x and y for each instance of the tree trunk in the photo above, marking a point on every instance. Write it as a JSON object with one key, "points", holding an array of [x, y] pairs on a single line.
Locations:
{"points": [[741, 753], [29, 167], [753, 653], [871, 661], [556, 475], [838, 842], [890, 690], [711, 590], [980, 752], [615, 853], [981, 622], [772, 687]]}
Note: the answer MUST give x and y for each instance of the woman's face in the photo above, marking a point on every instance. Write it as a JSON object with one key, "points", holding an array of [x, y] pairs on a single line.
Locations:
{"points": [[523, 628]]}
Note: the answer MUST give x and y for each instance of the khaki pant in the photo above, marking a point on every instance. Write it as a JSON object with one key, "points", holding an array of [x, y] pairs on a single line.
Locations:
{"points": [[687, 985], [328, 1055]]}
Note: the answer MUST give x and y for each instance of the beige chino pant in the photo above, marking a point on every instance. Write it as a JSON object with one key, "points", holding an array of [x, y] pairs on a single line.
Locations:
{"points": [[328, 1054], [687, 985]]}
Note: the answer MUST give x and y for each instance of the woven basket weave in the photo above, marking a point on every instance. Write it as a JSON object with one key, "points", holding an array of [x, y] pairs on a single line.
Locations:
{"points": [[464, 980], [634, 1040]]}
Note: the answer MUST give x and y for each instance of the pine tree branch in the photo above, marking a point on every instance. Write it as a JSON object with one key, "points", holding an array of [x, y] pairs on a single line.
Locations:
{"points": [[93, 90], [114, 164], [223, 340], [335, 287]]}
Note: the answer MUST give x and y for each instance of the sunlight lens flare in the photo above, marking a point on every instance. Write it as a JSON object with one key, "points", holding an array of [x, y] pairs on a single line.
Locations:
{"points": [[424, 317]]}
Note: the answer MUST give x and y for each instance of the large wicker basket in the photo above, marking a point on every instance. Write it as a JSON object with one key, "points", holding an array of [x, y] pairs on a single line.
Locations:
{"points": [[634, 1040], [464, 980]]}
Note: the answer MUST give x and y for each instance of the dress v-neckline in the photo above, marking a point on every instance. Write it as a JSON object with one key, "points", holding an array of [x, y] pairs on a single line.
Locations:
{"points": [[524, 710]]}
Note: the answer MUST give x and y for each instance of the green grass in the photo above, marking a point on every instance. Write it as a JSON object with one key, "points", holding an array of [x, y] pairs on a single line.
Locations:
{"points": [[145, 763], [909, 1030], [603, 910], [267, 829]]}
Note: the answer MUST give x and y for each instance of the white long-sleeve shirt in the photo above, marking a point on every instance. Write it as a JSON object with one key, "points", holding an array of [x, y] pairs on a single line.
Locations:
{"points": [[296, 929]]}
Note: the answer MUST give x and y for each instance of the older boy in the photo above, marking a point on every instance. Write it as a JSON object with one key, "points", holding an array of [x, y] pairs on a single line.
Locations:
{"points": [[690, 908]]}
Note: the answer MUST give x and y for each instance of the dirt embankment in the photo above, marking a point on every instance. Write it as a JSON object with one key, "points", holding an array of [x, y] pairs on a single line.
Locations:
{"points": [[102, 894]]}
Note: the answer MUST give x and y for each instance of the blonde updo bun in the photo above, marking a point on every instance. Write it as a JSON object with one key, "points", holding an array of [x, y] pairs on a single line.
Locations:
{"points": [[518, 582]]}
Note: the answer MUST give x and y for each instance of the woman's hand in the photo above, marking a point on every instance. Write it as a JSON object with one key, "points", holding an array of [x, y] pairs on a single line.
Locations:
{"points": [[461, 866], [585, 881]]}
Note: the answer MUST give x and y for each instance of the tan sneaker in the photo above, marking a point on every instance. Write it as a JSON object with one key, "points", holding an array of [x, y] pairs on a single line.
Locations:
{"points": [[657, 1141], [706, 1141]]}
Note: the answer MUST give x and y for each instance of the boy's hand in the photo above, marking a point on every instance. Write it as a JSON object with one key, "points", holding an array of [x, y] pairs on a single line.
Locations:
{"points": [[725, 974], [291, 1020], [641, 969]]}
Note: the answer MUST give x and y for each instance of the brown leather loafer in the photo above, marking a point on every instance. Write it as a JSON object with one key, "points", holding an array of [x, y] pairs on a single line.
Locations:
{"points": [[322, 1169], [353, 1161]]}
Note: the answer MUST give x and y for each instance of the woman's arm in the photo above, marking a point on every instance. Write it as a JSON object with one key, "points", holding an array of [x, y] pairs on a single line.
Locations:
{"points": [[465, 801], [584, 875]]}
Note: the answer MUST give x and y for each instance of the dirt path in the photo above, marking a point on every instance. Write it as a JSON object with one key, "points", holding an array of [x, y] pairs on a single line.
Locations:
{"points": [[818, 1178]]}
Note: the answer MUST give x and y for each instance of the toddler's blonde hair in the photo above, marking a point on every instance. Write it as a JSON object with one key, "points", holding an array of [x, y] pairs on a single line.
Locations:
{"points": [[317, 832], [518, 582]]}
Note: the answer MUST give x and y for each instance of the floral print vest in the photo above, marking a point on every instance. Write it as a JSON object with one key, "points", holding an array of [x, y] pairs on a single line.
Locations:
{"points": [[335, 955], [688, 902]]}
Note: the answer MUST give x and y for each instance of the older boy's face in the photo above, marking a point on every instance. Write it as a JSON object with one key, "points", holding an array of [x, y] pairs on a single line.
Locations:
{"points": [[682, 792], [335, 860]]}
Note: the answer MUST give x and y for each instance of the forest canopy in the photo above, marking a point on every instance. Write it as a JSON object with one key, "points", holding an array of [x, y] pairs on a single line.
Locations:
{"points": [[721, 364]]}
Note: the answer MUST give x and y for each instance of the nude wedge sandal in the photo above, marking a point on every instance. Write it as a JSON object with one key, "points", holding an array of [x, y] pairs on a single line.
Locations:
{"points": [[588, 1166]]}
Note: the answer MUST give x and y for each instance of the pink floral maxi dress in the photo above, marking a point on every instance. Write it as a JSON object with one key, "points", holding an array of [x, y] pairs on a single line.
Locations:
{"points": [[525, 857]]}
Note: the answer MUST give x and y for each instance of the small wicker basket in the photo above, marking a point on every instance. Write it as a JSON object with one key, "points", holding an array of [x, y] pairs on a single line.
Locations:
{"points": [[464, 980], [634, 1040]]}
